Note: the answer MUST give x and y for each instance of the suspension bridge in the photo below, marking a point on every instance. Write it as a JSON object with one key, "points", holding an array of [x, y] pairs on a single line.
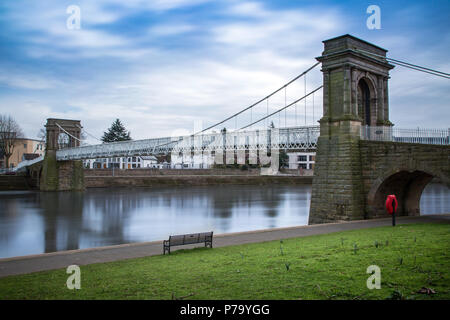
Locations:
{"points": [[360, 156], [263, 137]]}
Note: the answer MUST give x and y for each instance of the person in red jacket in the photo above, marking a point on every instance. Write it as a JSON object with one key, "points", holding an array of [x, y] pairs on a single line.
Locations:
{"points": [[391, 206]]}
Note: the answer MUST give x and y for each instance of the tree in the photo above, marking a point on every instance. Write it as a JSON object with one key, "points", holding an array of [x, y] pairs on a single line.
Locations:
{"points": [[42, 135], [283, 159], [10, 133], [272, 126], [116, 132]]}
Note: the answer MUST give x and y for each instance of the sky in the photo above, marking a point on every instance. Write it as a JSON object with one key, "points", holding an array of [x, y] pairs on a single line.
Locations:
{"points": [[168, 67]]}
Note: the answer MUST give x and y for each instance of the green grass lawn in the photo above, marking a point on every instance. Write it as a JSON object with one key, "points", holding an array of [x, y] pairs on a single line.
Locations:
{"points": [[329, 266]]}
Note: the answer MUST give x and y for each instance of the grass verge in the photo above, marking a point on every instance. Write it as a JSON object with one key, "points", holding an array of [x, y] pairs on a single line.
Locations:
{"points": [[413, 259]]}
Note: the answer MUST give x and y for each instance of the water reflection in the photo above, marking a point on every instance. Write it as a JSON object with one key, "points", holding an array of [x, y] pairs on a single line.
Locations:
{"points": [[34, 222]]}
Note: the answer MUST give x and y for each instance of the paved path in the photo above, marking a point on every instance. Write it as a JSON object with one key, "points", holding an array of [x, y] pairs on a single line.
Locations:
{"points": [[62, 259]]}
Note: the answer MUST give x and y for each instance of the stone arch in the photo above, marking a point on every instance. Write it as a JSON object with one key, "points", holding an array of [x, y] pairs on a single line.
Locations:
{"points": [[64, 140], [62, 127], [366, 98], [407, 184]]}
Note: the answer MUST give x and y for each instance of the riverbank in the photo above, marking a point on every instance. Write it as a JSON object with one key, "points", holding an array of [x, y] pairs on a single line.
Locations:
{"points": [[411, 256], [14, 182], [105, 178], [192, 180], [55, 260]]}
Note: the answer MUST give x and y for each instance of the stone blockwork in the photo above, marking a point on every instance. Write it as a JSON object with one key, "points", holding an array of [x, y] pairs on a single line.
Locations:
{"points": [[18, 182], [354, 93], [201, 180], [49, 174], [187, 172], [60, 175], [353, 177], [337, 187], [169, 172], [70, 175], [403, 169]]}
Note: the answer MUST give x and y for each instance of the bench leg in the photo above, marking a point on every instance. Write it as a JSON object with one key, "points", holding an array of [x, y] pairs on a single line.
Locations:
{"points": [[166, 248]]}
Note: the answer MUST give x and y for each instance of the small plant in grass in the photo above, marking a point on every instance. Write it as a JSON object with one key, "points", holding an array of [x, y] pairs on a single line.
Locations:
{"points": [[355, 248], [376, 244], [242, 255], [396, 295], [281, 248], [287, 265], [387, 243], [400, 260], [342, 242]]}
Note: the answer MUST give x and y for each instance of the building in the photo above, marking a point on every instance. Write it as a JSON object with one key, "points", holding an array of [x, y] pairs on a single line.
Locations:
{"points": [[194, 161], [122, 162], [24, 149], [304, 160]]}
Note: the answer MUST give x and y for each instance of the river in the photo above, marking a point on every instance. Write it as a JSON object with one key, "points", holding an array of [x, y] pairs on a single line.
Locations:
{"points": [[37, 222]]}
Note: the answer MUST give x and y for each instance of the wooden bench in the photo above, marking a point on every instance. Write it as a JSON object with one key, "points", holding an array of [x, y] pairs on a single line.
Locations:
{"points": [[182, 239]]}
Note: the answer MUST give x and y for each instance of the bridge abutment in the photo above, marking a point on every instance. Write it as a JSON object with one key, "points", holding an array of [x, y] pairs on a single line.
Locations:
{"points": [[353, 176], [403, 169], [354, 95], [61, 175], [337, 185]]}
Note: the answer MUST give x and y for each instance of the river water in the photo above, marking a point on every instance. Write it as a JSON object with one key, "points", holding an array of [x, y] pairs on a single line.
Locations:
{"points": [[37, 222]]}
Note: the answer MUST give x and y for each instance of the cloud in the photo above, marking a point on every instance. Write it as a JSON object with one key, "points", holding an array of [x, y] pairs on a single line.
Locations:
{"points": [[171, 29], [13, 79], [162, 65]]}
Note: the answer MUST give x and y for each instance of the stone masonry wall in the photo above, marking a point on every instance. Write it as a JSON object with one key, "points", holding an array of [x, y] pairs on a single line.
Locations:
{"points": [[337, 193], [409, 166], [168, 172], [354, 177], [205, 180], [70, 175]]}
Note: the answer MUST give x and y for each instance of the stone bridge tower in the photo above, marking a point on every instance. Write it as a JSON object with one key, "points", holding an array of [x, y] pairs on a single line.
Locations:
{"points": [[61, 175], [355, 94]]}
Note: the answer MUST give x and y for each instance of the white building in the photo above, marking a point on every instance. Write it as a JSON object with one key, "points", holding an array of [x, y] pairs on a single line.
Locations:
{"points": [[188, 161], [305, 160], [122, 162]]}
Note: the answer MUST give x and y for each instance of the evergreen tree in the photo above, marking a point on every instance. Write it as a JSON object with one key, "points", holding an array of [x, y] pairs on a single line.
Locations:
{"points": [[283, 159], [116, 132]]}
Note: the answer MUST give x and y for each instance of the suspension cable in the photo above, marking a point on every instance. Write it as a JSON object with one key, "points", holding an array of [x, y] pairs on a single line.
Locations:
{"points": [[257, 121], [281, 109], [259, 101], [409, 65], [67, 132], [85, 131]]}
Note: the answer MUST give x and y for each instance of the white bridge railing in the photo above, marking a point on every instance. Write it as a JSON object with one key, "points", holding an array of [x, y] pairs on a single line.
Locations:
{"points": [[297, 138], [422, 136]]}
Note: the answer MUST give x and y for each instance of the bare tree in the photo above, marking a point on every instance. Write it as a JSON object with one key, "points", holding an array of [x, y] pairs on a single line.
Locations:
{"points": [[10, 132], [42, 135]]}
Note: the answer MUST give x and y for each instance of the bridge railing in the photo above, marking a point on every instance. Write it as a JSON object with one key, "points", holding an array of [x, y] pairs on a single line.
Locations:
{"points": [[422, 136], [285, 138]]}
